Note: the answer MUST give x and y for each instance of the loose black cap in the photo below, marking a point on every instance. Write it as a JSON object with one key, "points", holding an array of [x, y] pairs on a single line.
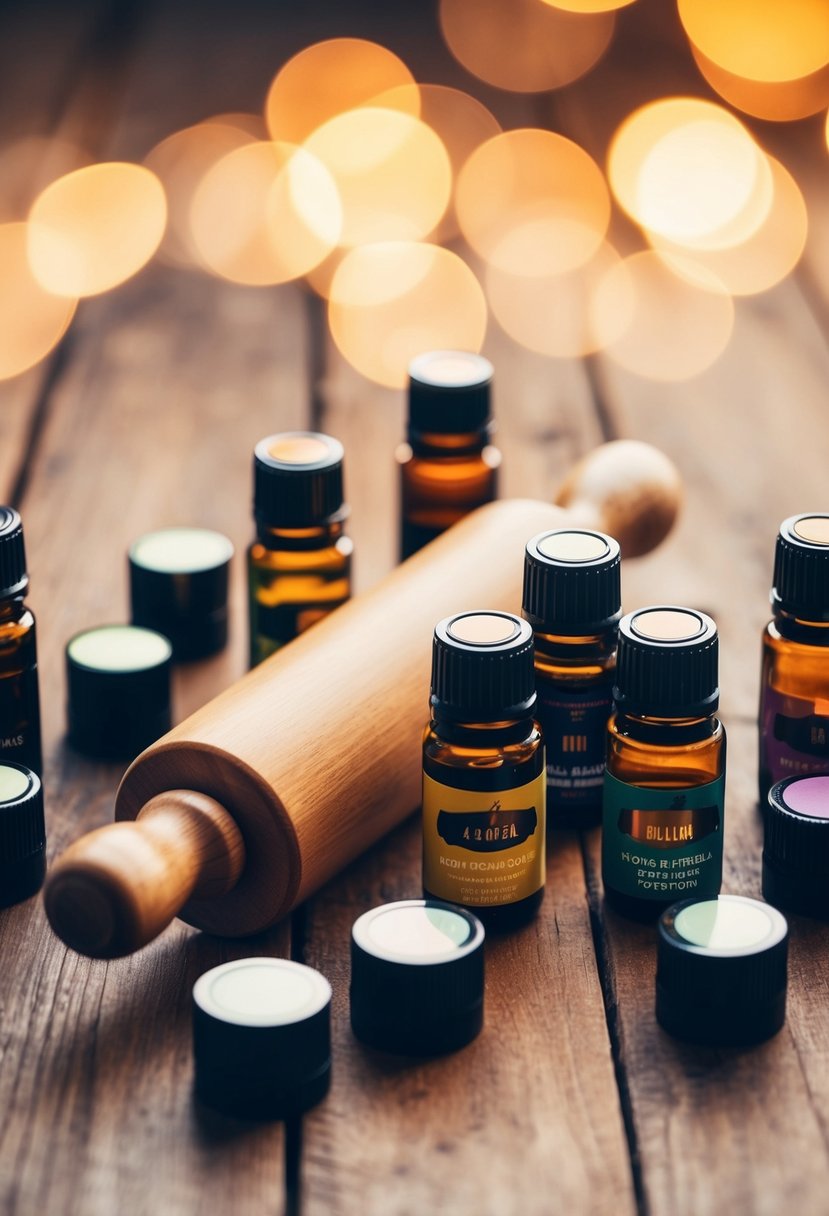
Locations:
{"points": [[482, 667], [721, 971], [298, 480], [118, 680], [13, 577], [417, 977], [178, 586], [572, 582], [801, 567], [667, 663], [262, 1038], [796, 846], [22, 834], [449, 393]]}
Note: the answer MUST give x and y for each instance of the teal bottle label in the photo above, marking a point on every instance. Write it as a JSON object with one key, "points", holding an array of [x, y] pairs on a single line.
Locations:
{"points": [[663, 844]]}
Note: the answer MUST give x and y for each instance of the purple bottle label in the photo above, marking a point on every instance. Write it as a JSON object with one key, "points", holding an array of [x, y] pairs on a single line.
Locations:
{"points": [[794, 736], [574, 725]]}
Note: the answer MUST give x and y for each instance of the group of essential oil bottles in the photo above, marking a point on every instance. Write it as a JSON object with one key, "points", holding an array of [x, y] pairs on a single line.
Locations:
{"points": [[601, 719], [626, 712], [299, 565]]}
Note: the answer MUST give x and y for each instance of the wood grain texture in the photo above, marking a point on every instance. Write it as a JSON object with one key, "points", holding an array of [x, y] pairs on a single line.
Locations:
{"points": [[96, 1077], [526, 1118], [710, 1128], [149, 421]]}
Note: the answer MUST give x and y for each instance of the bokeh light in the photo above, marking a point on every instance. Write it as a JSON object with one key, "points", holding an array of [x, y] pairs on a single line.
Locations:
{"points": [[588, 6], [674, 328], [766, 257], [327, 79], [96, 227], [690, 171], [532, 202], [768, 40], [393, 300], [181, 162], [251, 124], [462, 124], [391, 170], [775, 101], [32, 320], [554, 315], [265, 213], [28, 166], [523, 45]]}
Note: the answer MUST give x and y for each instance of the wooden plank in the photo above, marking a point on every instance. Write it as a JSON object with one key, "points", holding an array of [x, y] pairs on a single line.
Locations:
{"points": [[151, 422], [537, 1090], [750, 439], [530, 1109]]}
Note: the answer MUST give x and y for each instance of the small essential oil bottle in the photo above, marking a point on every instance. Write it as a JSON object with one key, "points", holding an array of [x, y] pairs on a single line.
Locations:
{"points": [[662, 838], [794, 685], [448, 466], [299, 566], [484, 780], [19, 700], [572, 599]]}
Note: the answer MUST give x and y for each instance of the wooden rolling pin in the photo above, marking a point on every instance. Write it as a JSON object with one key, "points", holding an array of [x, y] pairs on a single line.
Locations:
{"points": [[255, 801]]}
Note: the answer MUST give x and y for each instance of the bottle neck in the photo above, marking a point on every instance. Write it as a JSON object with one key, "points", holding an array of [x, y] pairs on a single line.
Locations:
{"points": [[434, 444], [12, 608], [666, 732], [320, 536], [482, 734], [576, 647], [798, 629]]}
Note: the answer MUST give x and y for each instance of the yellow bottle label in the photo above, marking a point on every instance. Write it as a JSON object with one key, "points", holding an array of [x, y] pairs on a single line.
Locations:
{"points": [[484, 850]]}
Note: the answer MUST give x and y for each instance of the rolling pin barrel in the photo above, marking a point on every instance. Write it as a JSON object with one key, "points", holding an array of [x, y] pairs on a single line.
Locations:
{"points": [[261, 796]]}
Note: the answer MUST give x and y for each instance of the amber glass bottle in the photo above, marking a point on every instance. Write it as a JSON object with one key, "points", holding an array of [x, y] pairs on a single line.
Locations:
{"points": [[448, 466], [299, 566], [794, 684], [484, 782], [19, 700], [662, 838], [572, 599]]}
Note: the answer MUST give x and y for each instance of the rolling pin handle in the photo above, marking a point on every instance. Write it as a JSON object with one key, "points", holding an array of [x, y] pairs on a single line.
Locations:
{"points": [[117, 888]]}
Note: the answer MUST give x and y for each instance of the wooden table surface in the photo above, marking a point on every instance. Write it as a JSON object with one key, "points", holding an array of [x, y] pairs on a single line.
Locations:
{"points": [[572, 1100]]}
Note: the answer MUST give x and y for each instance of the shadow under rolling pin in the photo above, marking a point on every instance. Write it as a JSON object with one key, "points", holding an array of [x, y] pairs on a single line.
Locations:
{"points": [[256, 800]]}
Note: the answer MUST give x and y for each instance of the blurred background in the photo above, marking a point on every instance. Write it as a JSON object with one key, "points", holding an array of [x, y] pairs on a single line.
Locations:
{"points": [[623, 204]]}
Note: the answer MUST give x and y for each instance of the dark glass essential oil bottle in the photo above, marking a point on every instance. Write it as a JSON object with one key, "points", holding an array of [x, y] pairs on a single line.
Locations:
{"points": [[299, 566], [19, 699], [572, 599], [662, 838], [484, 780], [448, 466], [794, 684]]}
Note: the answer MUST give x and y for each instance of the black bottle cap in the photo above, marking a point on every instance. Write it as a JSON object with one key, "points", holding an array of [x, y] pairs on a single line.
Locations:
{"points": [[482, 667], [417, 977], [449, 393], [801, 567], [22, 834], [13, 577], [118, 679], [667, 663], [178, 586], [796, 846], [262, 1038], [572, 582], [298, 480], [721, 971]]}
